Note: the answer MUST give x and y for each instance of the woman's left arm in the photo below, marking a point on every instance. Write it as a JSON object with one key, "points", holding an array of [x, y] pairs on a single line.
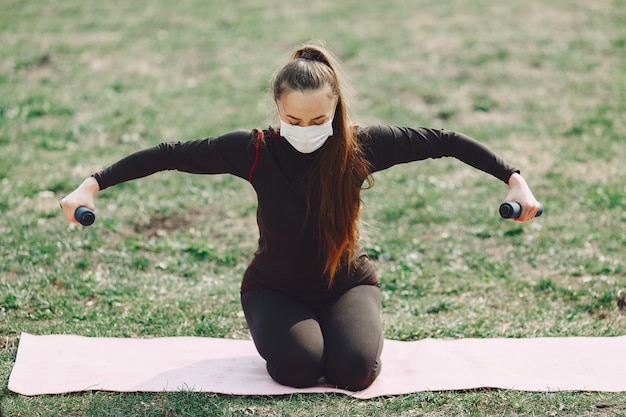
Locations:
{"points": [[390, 145]]}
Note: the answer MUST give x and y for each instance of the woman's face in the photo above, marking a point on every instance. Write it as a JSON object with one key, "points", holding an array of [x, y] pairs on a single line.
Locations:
{"points": [[306, 108]]}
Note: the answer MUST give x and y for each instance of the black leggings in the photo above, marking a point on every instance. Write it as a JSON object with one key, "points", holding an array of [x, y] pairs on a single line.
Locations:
{"points": [[340, 340]]}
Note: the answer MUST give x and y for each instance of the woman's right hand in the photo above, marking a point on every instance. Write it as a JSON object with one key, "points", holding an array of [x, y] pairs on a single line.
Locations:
{"points": [[82, 196]]}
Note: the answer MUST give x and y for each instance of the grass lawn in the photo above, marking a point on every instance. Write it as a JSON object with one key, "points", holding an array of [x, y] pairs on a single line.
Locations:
{"points": [[83, 83]]}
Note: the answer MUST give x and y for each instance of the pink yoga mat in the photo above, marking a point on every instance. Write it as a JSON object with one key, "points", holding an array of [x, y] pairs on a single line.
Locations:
{"points": [[55, 364]]}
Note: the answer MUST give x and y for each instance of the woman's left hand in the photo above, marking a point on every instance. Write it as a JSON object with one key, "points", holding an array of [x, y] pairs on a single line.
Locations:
{"points": [[520, 192]]}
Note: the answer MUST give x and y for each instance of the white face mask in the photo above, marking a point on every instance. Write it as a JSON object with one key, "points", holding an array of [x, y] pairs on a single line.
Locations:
{"points": [[306, 139]]}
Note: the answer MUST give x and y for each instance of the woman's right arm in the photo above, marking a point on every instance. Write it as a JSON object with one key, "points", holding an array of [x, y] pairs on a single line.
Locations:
{"points": [[230, 153], [136, 165]]}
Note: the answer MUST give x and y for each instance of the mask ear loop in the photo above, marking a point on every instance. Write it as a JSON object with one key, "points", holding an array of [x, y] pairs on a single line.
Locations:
{"points": [[256, 156]]}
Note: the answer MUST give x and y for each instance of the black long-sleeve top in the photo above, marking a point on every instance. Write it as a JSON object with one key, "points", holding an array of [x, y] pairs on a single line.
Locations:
{"points": [[287, 258]]}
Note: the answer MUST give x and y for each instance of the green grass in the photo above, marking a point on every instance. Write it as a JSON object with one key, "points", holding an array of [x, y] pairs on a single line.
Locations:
{"points": [[83, 83]]}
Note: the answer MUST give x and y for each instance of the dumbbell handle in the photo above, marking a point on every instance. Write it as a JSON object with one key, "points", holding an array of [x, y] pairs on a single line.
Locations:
{"points": [[84, 216], [512, 210]]}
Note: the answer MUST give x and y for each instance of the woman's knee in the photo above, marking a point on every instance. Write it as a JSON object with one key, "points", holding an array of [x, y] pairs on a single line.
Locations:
{"points": [[354, 373], [297, 369], [287, 335]]}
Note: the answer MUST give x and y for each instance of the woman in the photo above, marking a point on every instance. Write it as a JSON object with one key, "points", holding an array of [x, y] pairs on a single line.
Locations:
{"points": [[310, 294]]}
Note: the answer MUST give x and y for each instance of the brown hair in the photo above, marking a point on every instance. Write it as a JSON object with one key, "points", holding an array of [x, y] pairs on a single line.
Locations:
{"points": [[336, 185]]}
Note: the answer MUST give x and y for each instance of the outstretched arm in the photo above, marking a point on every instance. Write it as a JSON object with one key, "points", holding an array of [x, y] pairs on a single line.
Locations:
{"points": [[390, 145], [230, 153], [133, 166]]}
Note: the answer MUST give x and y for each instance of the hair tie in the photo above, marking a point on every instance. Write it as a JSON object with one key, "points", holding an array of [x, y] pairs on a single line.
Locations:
{"points": [[314, 56], [308, 55]]}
